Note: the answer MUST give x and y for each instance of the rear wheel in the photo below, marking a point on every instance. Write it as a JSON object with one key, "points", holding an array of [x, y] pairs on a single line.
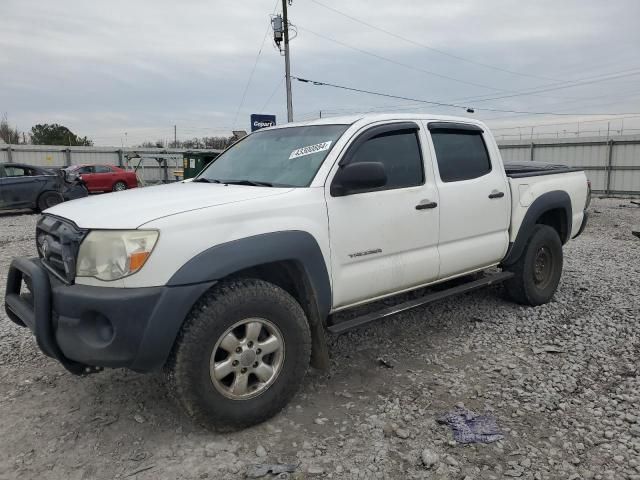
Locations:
{"points": [[49, 199], [119, 186], [241, 355], [538, 270]]}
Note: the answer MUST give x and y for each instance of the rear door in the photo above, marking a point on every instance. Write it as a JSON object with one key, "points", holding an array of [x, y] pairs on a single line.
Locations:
{"points": [[474, 199], [380, 242]]}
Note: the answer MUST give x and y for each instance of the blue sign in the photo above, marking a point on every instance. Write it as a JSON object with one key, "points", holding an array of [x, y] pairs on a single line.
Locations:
{"points": [[259, 121]]}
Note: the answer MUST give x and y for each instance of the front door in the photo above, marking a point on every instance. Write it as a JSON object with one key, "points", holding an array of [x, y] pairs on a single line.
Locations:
{"points": [[21, 186], [475, 200], [385, 240], [104, 178]]}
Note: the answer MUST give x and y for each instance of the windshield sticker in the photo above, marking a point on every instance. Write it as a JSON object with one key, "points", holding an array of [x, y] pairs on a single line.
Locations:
{"points": [[318, 147]]}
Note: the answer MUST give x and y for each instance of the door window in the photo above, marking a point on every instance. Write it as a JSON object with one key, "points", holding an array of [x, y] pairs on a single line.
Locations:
{"points": [[462, 155], [85, 170], [11, 171], [102, 169], [399, 152]]}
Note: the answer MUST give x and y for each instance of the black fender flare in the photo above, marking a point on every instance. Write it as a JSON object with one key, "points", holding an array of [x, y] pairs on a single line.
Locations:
{"points": [[301, 247], [227, 258], [556, 199]]}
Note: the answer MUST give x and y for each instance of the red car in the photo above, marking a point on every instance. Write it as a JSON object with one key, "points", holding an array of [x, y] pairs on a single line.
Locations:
{"points": [[104, 178]]}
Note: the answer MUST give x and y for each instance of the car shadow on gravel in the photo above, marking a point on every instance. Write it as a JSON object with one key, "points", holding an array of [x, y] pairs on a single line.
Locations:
{"points": [[16, 213]]}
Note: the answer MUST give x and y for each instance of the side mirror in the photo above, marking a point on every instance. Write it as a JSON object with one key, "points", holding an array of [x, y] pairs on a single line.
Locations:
{"points": [[358, 176]]}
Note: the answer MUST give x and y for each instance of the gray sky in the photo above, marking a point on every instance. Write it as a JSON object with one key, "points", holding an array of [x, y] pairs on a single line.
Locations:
{"points": [[105, 68]]}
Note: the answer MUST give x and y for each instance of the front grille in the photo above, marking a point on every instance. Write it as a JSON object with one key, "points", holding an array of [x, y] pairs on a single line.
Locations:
{"points": [[58, 241]]}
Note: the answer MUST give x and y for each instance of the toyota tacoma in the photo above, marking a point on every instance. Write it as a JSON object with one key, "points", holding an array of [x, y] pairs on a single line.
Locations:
{"points": [[230, 282]]}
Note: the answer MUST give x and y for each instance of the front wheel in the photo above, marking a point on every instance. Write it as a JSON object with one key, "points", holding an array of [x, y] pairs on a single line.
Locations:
{"points": [[241, 355], [538, 270]]}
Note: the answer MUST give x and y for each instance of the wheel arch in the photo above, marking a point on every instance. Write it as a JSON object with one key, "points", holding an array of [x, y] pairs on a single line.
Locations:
{"points": [[552, 209], [43, 192], [290, 259]]}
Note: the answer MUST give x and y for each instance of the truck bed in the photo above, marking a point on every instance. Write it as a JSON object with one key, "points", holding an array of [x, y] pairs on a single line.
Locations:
{"points": [[532, 169]]}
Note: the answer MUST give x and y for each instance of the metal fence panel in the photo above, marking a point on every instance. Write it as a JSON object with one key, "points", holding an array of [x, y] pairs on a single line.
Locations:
{"points": [[42, 158], [58, 156], [97, 157], [598, 179], [612, 165], [626, 154], [574, 156], [515, 154], [625, 181]]}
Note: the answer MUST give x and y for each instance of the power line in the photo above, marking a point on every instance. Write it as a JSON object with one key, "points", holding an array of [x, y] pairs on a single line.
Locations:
{"points": [[422, 45], [406, 65], [584, 105], [255, 64], [565, 123], [510, 93], [278, 85], [443, 104], [577, 83]]}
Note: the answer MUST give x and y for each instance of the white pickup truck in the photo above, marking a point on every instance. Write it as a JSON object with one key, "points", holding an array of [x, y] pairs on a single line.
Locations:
{"points": [[230, 282]]}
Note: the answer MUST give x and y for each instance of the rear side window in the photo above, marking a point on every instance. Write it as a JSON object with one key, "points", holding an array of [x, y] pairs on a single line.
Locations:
{"points": [[399, 152], [462, 155], [12, 171]]}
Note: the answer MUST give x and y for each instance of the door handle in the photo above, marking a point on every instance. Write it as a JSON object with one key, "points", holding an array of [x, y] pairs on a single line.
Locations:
{"points": [[426, 205], [496, 194]]}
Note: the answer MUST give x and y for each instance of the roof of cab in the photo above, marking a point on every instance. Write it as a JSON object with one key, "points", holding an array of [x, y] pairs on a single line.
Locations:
{"points": [[377, 117]]}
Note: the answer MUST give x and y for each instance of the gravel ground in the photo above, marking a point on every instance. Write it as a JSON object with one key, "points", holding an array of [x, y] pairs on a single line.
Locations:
{"points": [[561, 380]]}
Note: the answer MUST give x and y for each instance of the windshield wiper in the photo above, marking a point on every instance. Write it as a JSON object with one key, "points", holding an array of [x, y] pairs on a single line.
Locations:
{"points": [[207, 180], [253, 183]]}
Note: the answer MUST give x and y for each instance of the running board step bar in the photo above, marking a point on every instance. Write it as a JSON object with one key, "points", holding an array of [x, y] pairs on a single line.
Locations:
{"points": [[347, 325]]}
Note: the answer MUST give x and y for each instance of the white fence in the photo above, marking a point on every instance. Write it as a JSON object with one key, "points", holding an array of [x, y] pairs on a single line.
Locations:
{"points": [[612, 165], [150, 171]]}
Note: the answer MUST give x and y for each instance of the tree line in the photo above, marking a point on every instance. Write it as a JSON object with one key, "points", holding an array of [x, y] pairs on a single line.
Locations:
{"points": [[55, 134], [194, 143], [42, 134]]}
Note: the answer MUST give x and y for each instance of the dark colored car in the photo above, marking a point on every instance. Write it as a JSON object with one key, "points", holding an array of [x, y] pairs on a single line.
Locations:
{"points": [[104, 178], [28, 186]]}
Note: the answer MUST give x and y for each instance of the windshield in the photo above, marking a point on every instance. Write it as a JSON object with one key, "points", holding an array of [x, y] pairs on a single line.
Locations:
{"points": [[284, 157]]}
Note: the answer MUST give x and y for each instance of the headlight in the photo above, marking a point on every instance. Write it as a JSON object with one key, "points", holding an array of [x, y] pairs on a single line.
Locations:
{"points": [[114, 254]]}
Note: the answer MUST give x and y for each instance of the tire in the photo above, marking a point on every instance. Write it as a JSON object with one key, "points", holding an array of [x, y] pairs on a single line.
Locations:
{"points": [[212, 401], [49, 199], [119, 186], [538, 270]]}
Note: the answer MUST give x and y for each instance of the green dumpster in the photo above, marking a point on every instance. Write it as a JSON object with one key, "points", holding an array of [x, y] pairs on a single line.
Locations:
{"points": [[194, 162]]}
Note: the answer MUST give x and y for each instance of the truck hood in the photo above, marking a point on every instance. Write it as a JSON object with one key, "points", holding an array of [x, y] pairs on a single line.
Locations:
{"points": [[132, 208]]}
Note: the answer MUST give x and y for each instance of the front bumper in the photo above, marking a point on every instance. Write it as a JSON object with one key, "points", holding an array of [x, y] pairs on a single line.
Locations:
{"points": [[86, 328]]}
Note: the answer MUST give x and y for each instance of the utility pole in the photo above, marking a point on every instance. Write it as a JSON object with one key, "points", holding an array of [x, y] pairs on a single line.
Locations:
{"points": [[287, 66], [175, 137]]}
